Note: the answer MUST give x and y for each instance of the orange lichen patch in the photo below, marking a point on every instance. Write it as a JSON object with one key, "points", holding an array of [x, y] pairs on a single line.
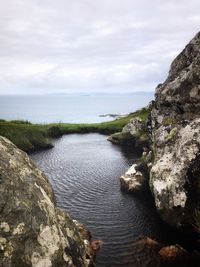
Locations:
{"points": [[172, 252]]}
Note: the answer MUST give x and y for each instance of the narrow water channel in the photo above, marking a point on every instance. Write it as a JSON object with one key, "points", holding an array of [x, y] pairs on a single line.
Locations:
{"points": [[84, 171]]}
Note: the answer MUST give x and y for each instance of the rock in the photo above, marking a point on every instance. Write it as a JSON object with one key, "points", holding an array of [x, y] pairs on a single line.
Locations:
{"points": [[33, 232], [92, 246], [136, 178], [96, 245], [133, 134], [134, 126], [148, 252], [123, 139], [173, 253], [179, 96], [133, 180], [175, 124]]}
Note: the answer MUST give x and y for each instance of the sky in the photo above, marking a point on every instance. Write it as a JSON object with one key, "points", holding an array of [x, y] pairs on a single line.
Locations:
{"points": [[62, 46]]}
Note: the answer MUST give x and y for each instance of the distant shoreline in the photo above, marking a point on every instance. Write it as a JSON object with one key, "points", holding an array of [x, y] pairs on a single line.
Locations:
{"points": [[32, 137]]}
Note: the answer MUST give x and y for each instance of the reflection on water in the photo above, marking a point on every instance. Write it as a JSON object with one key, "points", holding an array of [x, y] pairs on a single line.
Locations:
{"points": [[84, 171]]}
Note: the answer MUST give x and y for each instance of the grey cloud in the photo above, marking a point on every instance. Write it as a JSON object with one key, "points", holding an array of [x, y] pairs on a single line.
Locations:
{"points": [[87, 45]]}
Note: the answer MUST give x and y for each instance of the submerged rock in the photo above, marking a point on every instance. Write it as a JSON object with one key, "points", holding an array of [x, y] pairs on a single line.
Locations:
{"points": [[148, 252], [175, 118], [33, 232]]}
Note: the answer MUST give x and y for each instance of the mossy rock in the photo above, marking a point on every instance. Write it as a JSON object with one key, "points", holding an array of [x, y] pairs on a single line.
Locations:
{"points": [[122, 139], [172, 134]]}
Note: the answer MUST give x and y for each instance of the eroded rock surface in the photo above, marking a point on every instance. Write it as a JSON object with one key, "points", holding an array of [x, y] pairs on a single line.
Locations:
{"points": [[33, 232], [175, 117], [134, 126], [135, 133], [133, 180]]}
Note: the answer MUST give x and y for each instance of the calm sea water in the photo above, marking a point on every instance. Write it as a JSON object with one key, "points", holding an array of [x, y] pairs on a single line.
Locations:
{"points": [[84, 171], [72, 108]]}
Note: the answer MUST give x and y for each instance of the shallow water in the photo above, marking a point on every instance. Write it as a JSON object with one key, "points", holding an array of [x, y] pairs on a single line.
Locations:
{"points": [[84, 171]]}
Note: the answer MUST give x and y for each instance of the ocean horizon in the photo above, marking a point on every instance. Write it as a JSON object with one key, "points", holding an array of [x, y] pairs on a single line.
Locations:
{"points": [[72, 107]]}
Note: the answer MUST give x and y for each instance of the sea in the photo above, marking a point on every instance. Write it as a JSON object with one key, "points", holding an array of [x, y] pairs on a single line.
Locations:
{"points": [[71, 108]]}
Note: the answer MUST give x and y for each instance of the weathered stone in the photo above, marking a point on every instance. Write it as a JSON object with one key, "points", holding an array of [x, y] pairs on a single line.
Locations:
{"points": [[133, 180], [173, 253], [123, 139], [33, 232], [175, 118], [134, 126], [148, 252], [134, 133], [179, 95]]}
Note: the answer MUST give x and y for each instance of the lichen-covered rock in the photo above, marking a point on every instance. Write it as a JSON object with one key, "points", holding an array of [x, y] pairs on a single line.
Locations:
{"points": [[179, 96], [33, 232], [134, 133], [133, 180], [123, 139], [175, 117], [134, 126]]}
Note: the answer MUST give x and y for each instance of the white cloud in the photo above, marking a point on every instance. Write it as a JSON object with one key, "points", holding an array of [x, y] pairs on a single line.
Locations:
{"points": [[85, 45]]}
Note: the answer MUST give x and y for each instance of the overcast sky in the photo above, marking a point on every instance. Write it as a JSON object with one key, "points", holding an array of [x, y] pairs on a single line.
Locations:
{"points": [[51, 46]]}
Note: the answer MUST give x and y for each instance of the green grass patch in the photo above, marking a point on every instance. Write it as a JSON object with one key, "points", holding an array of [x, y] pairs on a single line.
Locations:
{"points": [[27, 137], [30, 137]]}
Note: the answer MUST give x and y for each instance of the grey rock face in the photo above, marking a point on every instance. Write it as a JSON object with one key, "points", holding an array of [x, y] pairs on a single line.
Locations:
{"points": [[179, 95], [33, 232], [175, 174]]}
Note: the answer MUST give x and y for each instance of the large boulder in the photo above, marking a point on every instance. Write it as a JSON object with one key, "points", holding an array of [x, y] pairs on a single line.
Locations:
{"points": [[33, 232], [175, 118]]}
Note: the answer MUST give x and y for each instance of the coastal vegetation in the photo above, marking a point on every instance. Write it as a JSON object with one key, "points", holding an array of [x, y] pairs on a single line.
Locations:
{"points": [[30, 137]]}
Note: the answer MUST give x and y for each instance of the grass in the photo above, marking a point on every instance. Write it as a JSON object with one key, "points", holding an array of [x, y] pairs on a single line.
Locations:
{"points": [[30, 137], [27, 137]]}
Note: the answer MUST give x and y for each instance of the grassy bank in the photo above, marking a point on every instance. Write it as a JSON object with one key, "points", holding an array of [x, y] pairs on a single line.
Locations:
{"points": [[30, 137]]}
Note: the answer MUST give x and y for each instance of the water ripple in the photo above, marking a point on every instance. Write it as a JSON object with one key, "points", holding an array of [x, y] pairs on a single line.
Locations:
{"points": [[84, 171]]}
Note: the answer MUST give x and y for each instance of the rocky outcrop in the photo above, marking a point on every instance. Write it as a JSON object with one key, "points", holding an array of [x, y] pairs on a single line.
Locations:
{"points": [[122, 139], [179, 96], [135, 133], [33, 232], [175, 118], [134, 126], [173, 165]]}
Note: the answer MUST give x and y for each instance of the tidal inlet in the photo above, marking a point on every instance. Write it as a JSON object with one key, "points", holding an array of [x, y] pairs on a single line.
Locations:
{"points": [[99, 134]]}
